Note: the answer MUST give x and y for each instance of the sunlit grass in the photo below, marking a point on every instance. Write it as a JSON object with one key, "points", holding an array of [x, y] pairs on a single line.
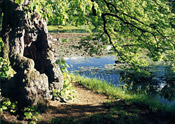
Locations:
{"points": [[116, 92], [100, 86], [56, 27], [52, 28]]}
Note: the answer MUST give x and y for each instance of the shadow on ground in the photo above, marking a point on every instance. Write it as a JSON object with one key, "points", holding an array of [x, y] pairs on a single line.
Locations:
{"points": [[116, 112], [109, 113], [4, 122]]}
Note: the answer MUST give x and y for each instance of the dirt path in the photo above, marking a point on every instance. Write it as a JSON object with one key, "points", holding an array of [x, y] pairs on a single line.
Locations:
{"points": [[92, 108], [85, 104]]}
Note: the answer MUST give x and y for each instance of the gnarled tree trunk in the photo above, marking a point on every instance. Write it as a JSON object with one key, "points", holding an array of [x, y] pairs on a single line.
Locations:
{"points": [[27, 46]]}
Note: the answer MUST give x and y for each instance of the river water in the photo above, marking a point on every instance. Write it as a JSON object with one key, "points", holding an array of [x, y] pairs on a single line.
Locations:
{"points": [[100, 68]]}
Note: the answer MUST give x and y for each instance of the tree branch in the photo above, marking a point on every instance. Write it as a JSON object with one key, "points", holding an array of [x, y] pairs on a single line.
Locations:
{"points": [[126, 22], [110, 40]]}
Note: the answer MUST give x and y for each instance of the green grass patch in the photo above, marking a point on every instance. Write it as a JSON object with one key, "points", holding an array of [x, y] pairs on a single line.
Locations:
{"points": [[69, 28], [52, 28], [100, 86], [116, 92], [56, 27]]}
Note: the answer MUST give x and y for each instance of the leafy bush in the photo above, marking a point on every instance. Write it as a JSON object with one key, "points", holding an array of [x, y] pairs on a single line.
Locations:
{"points": [[30, 113], [62, 64], [67, 93], [7, 105], [5, 70]]}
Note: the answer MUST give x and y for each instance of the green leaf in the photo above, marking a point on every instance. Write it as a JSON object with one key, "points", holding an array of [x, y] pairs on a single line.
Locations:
{"points": [[4, 107], [28, 115], [32, 122], [1, 110]]}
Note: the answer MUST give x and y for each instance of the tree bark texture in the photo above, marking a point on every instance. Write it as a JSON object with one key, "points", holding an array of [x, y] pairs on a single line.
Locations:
{"points": [[27, 46]]}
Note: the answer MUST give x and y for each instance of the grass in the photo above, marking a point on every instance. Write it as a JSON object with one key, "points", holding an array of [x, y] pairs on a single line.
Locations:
{"points": [[101, 87], [116, 92], [53, 28], [115, 112], [56, 27]]}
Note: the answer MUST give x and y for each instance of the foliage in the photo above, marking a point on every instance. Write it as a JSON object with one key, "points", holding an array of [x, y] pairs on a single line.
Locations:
{"points": [[137, 24], [69, 11], [30, 114], [134, 28], [63, 66], [19, 1], [58, 11], [42, 7], [5, 70], [67, 93], [7, 105], [139, 82]]}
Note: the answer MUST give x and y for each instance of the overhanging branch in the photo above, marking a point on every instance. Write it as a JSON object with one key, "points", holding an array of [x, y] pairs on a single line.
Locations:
{"points": [[110, 40]]}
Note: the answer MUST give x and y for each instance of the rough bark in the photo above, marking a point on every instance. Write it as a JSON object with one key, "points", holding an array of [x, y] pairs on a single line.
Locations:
{"points": [[27, 47]]}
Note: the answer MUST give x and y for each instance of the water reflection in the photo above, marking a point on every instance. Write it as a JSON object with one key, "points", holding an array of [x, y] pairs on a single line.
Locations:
{"points": [[160, 83], [100, 68], [168, 91]]}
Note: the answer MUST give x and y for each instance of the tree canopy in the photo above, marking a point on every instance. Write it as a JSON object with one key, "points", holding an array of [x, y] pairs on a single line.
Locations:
{"points": [[132, 27]]}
